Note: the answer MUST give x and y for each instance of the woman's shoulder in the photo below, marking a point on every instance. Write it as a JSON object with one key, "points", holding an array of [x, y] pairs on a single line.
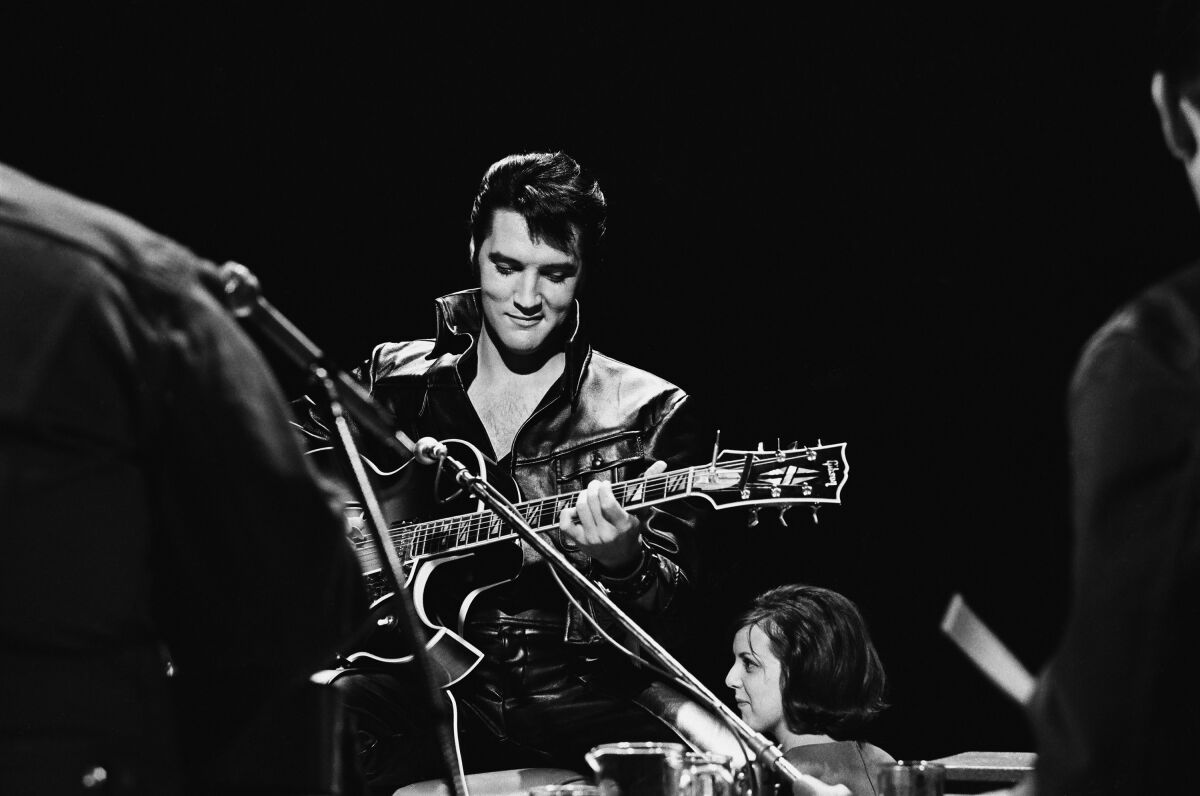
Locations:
{"points": [[849, 763], [867, 751], [873, 755]]}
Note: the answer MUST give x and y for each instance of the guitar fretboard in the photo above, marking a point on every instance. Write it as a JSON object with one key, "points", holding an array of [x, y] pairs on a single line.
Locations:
{"points": [[482, 527]]}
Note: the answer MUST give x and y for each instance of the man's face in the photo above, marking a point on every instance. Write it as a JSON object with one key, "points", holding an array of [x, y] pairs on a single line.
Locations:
{"points": [[527, 287]]}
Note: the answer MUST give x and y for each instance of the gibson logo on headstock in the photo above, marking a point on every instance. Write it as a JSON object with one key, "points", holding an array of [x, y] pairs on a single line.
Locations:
{"points": [[831, 467]]}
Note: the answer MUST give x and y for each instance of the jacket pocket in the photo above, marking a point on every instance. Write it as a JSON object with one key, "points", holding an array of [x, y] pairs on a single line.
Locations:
{"points": [[605, 458]]}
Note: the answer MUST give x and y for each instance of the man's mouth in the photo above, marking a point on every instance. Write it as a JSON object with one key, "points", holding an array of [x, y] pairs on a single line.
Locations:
{"points": [[525, 320]]}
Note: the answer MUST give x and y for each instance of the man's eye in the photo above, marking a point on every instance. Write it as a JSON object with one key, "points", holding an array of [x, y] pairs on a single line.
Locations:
{"points": [[557, 277], [503, 270]]}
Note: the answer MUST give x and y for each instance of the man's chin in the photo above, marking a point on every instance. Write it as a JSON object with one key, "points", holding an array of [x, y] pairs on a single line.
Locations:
{"points": [[523, 351], [523, 345]]}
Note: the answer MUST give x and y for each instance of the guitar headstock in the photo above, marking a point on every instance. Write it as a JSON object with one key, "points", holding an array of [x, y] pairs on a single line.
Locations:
{"points": [[812, 474]]}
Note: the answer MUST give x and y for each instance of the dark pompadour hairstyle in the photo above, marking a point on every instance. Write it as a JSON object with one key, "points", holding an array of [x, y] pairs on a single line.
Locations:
{"points": [[831, 677], [561, 202]]}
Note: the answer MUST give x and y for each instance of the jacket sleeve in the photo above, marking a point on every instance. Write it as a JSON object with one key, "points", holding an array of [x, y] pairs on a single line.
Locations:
{"points": [[312, 421], [659, 586], [310, 415]]}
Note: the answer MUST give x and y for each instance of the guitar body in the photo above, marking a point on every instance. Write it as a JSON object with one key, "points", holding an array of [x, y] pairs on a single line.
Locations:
{"points": [[443, 585]]}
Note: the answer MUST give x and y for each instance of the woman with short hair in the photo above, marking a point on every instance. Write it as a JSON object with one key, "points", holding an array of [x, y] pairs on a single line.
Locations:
{"points": [[805, 671]]}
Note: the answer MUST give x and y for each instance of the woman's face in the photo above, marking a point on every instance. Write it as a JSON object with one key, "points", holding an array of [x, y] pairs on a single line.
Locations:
{"points": [[754, 678]]}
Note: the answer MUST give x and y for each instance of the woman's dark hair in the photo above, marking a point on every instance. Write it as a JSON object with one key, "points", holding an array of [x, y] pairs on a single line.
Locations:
{"points": [[561, 202], [830, 675]]}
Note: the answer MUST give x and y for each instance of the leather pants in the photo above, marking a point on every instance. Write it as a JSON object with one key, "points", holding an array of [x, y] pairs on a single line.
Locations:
{"points": [[533, 701]]}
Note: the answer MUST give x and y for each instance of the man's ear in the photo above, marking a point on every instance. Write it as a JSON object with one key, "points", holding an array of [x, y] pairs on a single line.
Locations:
{"points": [[471, 254], [1179, 117]]}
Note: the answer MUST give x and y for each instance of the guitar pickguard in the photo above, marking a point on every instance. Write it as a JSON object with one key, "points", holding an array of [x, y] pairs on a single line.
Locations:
{"points": [[443, 585]]}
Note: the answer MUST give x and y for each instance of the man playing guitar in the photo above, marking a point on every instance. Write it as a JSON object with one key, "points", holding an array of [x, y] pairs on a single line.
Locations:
{"points": [[511, 372]]}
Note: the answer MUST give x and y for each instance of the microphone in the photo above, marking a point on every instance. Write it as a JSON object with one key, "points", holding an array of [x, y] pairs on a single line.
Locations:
{"points": [[429, 451], [239, 289]]}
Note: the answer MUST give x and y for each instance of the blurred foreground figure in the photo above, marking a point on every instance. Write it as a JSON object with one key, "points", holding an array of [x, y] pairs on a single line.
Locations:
{"points": [[156, 507], [1118, 708]]}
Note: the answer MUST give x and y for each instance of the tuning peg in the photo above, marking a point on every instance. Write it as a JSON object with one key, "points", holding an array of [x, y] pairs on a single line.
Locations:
{"points": [[753, 517], [816, 520], [783, 514], [716, 448], [761, 449]]}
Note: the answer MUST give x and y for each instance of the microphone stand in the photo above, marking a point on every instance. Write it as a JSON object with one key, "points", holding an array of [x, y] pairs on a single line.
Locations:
{"points": [[243, 297], [771, 756]]}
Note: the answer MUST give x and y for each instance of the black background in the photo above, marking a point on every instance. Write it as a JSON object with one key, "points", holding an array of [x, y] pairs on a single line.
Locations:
{"points": [[893, 228]]}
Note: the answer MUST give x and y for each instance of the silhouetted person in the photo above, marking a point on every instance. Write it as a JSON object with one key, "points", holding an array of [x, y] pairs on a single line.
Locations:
{"points": [[156, 507], [1118, 708]]}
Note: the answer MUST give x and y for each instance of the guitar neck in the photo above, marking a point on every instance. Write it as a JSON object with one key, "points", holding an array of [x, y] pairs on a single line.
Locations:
{"points": [[464, 530], [735, 478]]}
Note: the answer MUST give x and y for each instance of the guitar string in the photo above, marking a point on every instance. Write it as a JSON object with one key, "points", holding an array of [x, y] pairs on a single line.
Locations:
{"points": [[472, 529], [534, 511], [408, 538]]}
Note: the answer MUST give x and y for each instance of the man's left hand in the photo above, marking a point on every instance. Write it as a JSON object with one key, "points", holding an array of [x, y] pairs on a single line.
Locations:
{"points": [[602, 527]]}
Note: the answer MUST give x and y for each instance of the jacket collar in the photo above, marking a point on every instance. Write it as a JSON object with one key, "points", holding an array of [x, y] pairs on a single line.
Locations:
{"points": [[460, 317]]}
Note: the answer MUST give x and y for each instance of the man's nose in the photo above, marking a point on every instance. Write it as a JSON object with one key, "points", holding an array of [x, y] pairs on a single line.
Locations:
{"points": [[526, 298]]}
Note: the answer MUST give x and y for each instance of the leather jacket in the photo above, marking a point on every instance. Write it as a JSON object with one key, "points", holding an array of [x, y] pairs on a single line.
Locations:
{"points": [[602, 419]]}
